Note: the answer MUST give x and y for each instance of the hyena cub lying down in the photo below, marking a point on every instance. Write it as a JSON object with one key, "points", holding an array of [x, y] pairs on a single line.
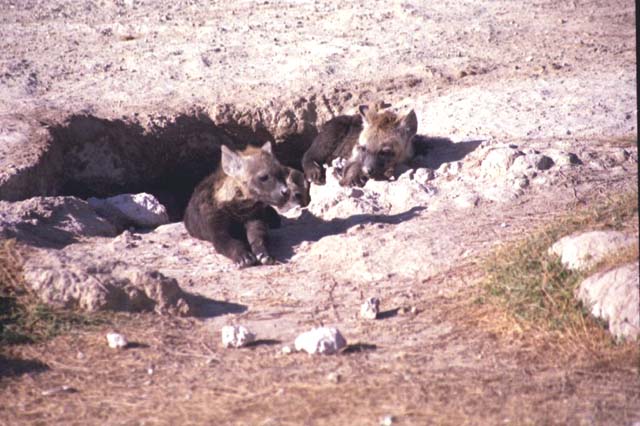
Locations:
{"points": [[373, 144], [232, 207]]}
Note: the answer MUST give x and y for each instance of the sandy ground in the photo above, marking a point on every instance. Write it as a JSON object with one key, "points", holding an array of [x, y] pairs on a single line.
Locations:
{"points": [[545, 77]]}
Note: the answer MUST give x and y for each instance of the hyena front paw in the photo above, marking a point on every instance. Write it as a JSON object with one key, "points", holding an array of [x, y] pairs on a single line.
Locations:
{"points": [[314, 173], [265, 259], [245, 260], [353, 177]]}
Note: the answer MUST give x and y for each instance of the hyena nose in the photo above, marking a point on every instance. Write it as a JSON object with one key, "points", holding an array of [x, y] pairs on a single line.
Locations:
{"points": [[366, 170], [285, 191]]}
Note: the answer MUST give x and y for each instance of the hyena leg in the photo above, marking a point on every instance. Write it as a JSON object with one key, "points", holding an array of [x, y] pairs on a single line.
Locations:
{"points": [[257, 237], [230, 245], [352, 175], [271, 217]]}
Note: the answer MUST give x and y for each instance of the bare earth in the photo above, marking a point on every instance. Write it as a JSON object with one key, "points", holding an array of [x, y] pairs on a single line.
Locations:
{"points": [[484, 77]]}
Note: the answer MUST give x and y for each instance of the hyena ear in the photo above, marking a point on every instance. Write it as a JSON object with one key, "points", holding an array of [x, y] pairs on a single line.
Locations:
{"points": [[364, 111], [409, 124], [267, 148], [232, 162]]}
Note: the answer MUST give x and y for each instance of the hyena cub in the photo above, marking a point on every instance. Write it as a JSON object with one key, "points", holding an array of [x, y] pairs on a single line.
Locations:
{"points": [[230, 207], [373, 143]]}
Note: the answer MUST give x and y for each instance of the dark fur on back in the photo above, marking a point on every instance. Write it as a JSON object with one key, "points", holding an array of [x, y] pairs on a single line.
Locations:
{"points": [[336, 139], [373, 143]]}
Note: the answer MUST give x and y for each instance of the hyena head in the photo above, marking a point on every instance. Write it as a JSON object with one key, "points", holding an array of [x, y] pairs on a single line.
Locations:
{"points": [[298, 189], [385, 141], [258, 174]]}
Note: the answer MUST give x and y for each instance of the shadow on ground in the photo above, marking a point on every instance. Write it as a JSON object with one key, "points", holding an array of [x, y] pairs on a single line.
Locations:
{"points": [[432, 152], [11, 367], [203, 307], [309, 227]]}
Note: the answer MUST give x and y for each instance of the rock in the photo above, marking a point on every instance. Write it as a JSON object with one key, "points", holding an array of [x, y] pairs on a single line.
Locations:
{"points": [[562, 158], [498, 161], [614, 297], [387, 421], [581, 251], [236, 336], [58, 389], [95, 285], [52, 221], [334, 377], [531, 162], [370, 308], [117, 340], [125, 210], [321, 340], [286, 350]]}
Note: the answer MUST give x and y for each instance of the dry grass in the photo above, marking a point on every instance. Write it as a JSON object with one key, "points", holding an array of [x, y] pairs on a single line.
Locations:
{"points": [[23, 319], [538, 291]]}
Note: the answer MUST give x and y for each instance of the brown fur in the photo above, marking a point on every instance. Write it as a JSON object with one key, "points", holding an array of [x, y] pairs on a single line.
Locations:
{"points": [[375, 142], [230, 207]]}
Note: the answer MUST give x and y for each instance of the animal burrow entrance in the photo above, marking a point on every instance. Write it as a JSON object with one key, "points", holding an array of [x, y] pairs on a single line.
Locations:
{"points": [[88, 156]]}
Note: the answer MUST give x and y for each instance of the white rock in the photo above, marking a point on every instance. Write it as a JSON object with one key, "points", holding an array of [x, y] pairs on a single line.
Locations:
{"points": [[236, 336], [498, 161], [581, 251], [614, 296], [531, 162], [138, 209], [387, 421], [116, 340], [321, 340], [370, 308], [562, 158], [286, 350]]}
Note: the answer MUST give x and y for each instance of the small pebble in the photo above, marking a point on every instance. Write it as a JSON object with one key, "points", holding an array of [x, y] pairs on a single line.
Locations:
{"points": [[116, 341], [370, 308], [236, 336], [334, 377], [387, 421]]}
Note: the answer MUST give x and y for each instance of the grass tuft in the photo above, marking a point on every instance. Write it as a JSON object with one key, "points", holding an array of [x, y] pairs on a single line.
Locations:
{"points": [[536, 288], [23, 318]]}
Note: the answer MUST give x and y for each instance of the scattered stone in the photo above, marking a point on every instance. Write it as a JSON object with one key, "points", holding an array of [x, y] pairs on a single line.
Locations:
{"points": [[321, 340], [334, 377], [126, 210], [286, 350], [236, 336], [117, 340], [614, 296], [370, 308], [531, 162], [387, 421], [498, 161], [581, 251], [561, 158]]}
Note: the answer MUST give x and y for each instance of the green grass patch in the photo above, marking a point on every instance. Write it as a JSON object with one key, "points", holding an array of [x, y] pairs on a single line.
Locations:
{"points": [[23, 318], [534, 286]]}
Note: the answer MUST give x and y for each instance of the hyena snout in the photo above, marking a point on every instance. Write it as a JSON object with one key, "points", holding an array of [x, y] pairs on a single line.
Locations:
{"points": [[376, 165], [280, 196]]}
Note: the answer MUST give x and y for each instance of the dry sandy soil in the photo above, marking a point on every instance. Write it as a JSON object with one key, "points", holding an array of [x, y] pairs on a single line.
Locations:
{"points": [[484, 77]]}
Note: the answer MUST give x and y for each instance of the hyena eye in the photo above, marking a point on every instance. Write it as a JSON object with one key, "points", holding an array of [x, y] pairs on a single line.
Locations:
{"points": [[362, 148], [263, 178], [386, 152]]}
